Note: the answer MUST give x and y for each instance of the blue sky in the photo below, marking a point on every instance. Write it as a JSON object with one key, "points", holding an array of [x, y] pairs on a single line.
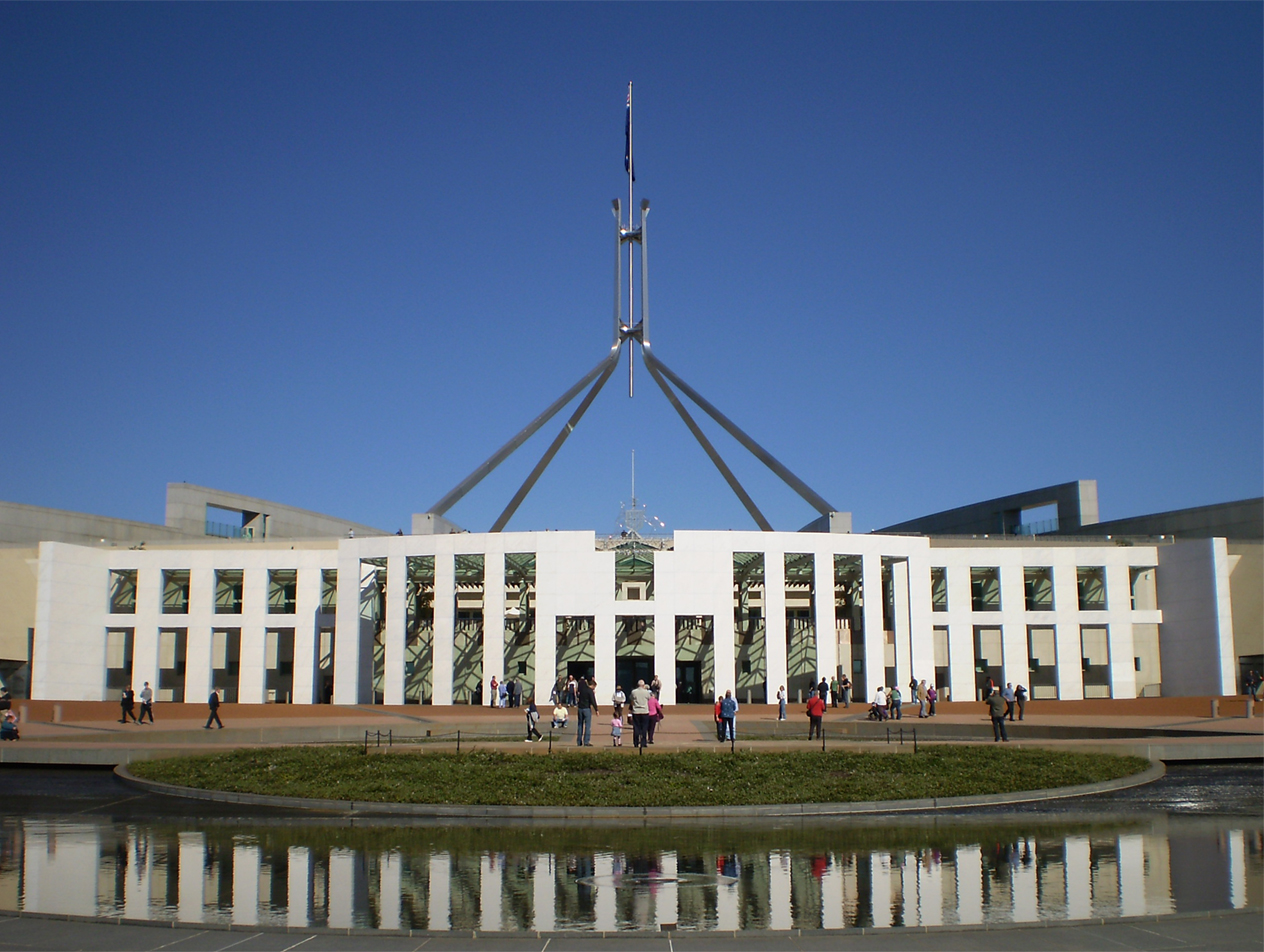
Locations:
{"points": [[334, 255]]}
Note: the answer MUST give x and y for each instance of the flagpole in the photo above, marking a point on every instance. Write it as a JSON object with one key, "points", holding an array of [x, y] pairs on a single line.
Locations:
{"points": [[631, 179]]}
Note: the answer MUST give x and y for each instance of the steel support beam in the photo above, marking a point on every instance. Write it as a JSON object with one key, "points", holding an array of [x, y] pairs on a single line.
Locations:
{"points": [[472, 480], [698, 435], [791, 480], [610, 363]]}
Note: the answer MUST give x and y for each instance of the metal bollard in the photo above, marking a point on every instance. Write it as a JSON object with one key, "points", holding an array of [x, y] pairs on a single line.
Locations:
{"points": [[1250, 707], [1215, 707], [56, 713], [24, 713]]}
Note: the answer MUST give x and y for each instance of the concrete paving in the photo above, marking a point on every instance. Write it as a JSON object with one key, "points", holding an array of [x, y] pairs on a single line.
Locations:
{"points": [[1222, 931], [1169, 729]]}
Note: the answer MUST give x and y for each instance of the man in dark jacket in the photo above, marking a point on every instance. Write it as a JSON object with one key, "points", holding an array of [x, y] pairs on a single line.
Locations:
{"points": [[996, 707], [213, 703], [586, 702]]}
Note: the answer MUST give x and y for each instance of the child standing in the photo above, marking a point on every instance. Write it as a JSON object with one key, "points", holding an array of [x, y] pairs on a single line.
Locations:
{"points": [[616, 731]]}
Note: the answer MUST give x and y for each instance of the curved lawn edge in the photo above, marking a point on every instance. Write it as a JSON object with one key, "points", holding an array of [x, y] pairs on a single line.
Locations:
{"points": [[727, 812]]}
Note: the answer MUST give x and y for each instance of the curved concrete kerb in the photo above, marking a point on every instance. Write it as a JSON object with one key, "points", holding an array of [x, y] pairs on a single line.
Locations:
{"points": [[778, 811]]}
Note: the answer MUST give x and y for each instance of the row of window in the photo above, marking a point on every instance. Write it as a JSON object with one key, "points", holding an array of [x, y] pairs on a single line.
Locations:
{"points": [[1090, 582], [229, 591]]}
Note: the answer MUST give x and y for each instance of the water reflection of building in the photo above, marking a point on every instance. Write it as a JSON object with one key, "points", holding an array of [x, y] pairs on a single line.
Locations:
{"points": [[212, 877]]}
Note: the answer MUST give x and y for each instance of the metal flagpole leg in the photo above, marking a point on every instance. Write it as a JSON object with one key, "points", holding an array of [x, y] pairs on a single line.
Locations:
{"points": [[472, 480], [651, 365], [791, 480], [610, 363]]}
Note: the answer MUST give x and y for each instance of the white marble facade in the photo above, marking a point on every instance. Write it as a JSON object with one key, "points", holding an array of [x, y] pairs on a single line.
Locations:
{"points": [[575, 577]]}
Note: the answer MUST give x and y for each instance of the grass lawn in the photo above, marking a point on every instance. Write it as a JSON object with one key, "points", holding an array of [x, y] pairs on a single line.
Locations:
{"points": [[694, 778]]}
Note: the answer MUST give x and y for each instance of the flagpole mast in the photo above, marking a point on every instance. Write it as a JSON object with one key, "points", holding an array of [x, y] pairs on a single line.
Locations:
{"points": [[631, 179]]}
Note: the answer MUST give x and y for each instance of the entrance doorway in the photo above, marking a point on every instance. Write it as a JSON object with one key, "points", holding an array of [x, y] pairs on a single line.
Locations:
{"points": [[689, 682], [627, 671]]}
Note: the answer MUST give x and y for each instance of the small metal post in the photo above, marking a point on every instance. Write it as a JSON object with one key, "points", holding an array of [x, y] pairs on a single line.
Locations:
{"points": [[914, 741], [550, 740], [390, 737], [822, 737], [458, 741], [366, 742], [888, 735], [732, 742]]}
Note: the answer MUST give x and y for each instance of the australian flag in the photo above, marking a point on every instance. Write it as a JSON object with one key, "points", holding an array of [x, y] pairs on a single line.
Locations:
{"points": [[627, 139]]}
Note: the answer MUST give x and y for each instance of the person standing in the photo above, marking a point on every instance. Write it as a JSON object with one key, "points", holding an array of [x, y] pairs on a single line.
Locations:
{"points": [[844, 687], [533, 718], [213, 703], [719, 724], [894, 700], [586, 701], [996, 707], [572, 691], [816, 713], [494, 691], [656, 686], [781, 703], [822, 689], [616, 731], [878, 709], [1009, 697], [932, 695], [834, 691], [728, 715], [1020, 698], [921, 699], [146, 703], [640, 706]]}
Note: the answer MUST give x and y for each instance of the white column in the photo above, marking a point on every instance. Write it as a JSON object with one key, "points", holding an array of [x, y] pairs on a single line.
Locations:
{"points": [[306, 634], [347, 625], [903, 630], [664, 656], [604, 907], [724, 648], [444, 628], [1066, 606], [603, 658], [774, 623], [1013, 622], [930, 891], [921, 620], [832, 896], [341, 896], [298, 913], [875, 637], [969, 885], [1079, 877], [145, 657], [192, 881], [197, 671], [1123, 669], [493, 622], [880, 886], [246, 863], [544, 893], [1023, 885], [1130, 849], [389, 866], [489, 892], [393, 634], [136, 884], [780, 914], [254, 619], [1237, 869], [727, 904], [666, 911], [440, 905]]}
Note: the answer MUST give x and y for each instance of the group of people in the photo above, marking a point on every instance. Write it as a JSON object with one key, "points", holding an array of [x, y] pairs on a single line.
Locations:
{"points": [[127, 705], [9, 722], [641, 709], [506, 693], [888, 703]]}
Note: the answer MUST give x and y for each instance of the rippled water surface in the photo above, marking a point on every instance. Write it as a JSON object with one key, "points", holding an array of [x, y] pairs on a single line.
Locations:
{"points": [[557, 879]]}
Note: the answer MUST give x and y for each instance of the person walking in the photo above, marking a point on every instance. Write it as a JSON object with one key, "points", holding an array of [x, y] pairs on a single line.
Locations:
{"points": [[844, 687], [894, 700], [781, 703], [656, 715], [932, 695], [1020, 698], [1009, 697], [921, 699], [128, 705], [816, 713], [533, 718], [213, 703], [146, 703], [996, 707], [586, 702], [639, 703], [728, 715]]}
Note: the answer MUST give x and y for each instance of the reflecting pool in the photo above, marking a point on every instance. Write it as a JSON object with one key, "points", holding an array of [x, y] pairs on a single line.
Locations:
{"points": [[954, 870]]}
